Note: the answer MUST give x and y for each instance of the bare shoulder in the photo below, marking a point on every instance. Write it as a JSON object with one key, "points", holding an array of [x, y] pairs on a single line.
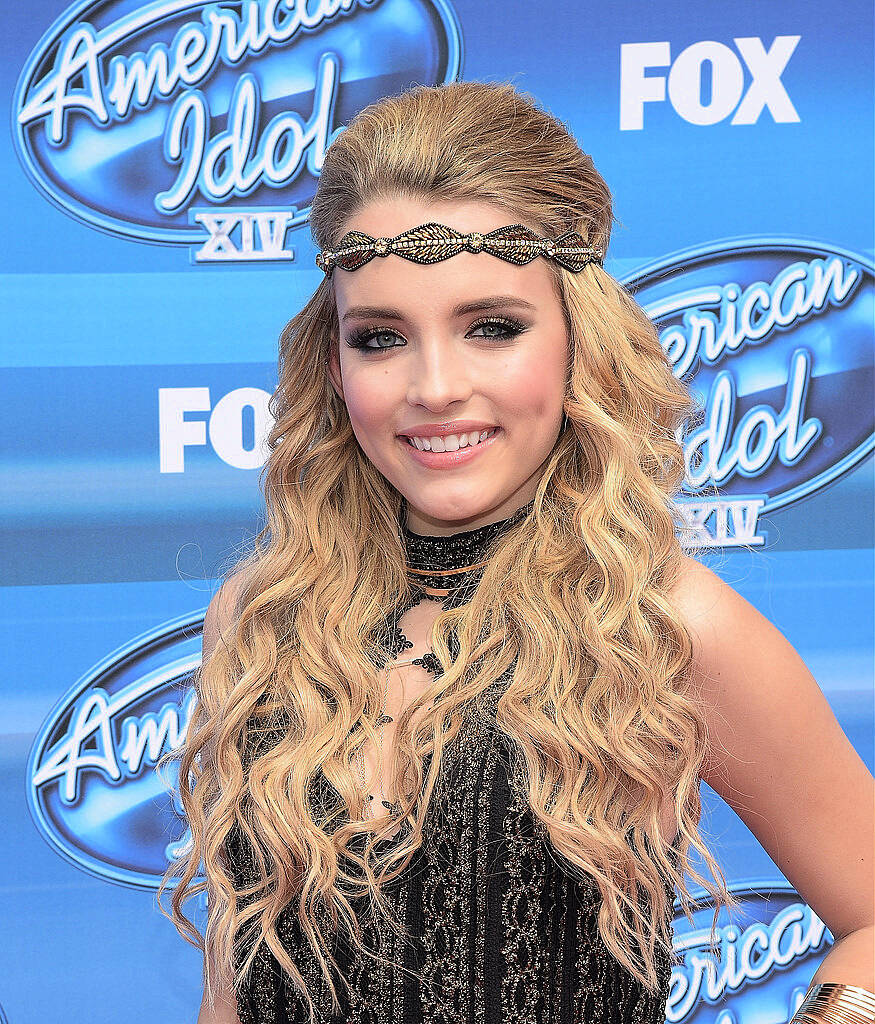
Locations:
{"points": [[223, 609], [734, 648], [695, 591], [709, 607]]}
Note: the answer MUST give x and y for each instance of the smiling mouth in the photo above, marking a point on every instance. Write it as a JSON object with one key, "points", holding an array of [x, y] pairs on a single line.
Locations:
{"points": [[427, 442]]}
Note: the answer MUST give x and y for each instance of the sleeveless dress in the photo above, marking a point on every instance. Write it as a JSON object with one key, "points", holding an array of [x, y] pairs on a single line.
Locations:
{"points": [[499, 932]]}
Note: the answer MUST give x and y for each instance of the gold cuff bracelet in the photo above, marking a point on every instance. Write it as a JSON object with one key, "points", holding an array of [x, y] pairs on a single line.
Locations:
{"points": [[832, 1003]]}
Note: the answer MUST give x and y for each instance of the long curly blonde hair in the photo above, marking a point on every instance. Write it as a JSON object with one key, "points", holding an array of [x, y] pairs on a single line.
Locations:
{"points": [[604, 727]]}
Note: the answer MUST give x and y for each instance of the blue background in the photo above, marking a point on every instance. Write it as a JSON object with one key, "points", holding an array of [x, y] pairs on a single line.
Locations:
{"points": [[99, 546]]}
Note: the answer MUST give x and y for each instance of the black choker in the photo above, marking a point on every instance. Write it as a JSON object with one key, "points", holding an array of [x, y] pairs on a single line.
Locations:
{"points": [[450, 560], [444, 568]]}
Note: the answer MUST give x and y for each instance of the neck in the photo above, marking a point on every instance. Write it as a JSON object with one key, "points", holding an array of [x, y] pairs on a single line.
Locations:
{"points": [[449, 559]]}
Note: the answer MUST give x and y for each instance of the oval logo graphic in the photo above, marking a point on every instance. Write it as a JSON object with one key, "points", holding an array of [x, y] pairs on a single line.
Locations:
{"points": [[769, 951], [775, 339], [93, 791], [184, 120]]}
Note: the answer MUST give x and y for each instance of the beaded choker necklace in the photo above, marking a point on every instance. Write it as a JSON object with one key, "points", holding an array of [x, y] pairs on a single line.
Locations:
{"points": [[439, 565], [446, 568]]}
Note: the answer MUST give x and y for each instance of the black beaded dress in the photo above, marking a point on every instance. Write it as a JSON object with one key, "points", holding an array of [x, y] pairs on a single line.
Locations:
{"points": [[499, 932]]}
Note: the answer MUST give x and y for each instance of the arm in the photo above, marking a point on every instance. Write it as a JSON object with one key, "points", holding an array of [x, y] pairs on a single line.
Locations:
{"points": [[778, 756], [224, 1012], [217, 619]]}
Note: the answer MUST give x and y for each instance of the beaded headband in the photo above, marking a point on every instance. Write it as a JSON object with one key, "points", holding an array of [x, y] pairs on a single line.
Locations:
{"points": [[431, 242]]}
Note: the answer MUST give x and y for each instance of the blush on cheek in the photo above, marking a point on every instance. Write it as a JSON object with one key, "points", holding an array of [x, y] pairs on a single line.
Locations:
{"points": [[373, 434]]}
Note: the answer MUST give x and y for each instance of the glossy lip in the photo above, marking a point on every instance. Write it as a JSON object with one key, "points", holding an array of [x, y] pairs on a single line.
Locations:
{"points": [[449, 460], [447, 427]]}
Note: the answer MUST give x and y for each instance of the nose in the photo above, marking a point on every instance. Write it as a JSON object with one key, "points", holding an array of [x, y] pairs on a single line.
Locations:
{"points": [[439, 375]]}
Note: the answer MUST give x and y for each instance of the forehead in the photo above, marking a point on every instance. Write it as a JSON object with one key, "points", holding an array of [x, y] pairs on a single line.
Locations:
{"points": [[436, 289]]}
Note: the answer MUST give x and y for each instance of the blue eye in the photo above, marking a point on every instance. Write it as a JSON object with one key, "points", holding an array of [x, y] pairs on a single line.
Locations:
{"points": [[359, 338], [510, 326]]}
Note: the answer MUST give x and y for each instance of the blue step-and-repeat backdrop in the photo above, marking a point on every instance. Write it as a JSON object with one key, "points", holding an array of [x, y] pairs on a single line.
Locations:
{"points": [[157, 172]]}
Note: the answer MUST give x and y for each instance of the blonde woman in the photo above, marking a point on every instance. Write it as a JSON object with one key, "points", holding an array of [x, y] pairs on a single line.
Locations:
{"points": [[455, 708]]}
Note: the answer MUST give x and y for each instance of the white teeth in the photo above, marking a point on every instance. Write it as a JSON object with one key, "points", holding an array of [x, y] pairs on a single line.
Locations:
{"points": [[451, 442]]}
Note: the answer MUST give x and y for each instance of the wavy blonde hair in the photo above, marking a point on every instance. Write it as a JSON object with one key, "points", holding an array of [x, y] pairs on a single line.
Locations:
{"points": [[603, 727]]}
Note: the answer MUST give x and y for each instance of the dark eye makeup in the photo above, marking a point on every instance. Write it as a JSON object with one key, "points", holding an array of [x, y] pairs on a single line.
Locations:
{"points": [[360, 337]]}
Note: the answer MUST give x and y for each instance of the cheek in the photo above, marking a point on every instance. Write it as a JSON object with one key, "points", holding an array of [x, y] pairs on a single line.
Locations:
{"points": [[368, 395], [532, 386]]}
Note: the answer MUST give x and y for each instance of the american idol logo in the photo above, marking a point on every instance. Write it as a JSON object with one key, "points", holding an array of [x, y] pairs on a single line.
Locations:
{"points": [[93, 790], [206, 124], [766, 962], [775, 339]]}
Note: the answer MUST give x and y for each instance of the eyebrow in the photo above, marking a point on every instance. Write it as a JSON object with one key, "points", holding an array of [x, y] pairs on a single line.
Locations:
{"points": [[476, 306]]}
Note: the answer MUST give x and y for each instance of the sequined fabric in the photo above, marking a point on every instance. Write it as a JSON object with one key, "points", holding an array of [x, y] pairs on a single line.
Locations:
{"points": [[499, 931]]}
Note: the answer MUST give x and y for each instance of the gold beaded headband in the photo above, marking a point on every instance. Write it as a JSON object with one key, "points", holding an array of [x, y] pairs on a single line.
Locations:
{"points": [[431, 242]]}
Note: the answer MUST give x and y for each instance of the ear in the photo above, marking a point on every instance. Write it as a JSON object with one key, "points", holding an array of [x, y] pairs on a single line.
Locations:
{"points": [[333, 366]]}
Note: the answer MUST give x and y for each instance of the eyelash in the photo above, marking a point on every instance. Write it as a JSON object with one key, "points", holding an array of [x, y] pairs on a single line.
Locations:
{"points": [[358, 337]]}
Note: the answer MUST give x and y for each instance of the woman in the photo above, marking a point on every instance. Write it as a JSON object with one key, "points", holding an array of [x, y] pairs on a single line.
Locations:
{"points": [[454, 710]]}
